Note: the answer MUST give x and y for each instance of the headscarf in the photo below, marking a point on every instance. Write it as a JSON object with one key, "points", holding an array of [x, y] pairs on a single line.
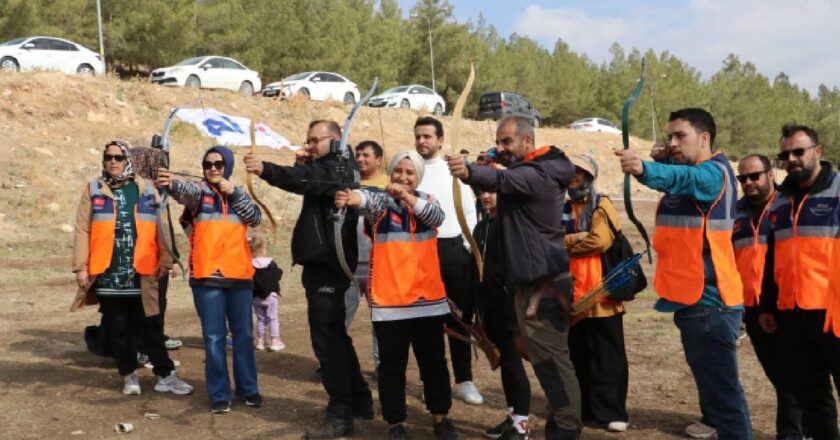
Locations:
{"points": [[415, 159], [128, 171], [227, 156]]}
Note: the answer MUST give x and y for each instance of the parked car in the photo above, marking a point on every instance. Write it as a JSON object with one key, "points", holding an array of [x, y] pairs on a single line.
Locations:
{"points": [[319, 86], [209, 72], [49, 53], [600, 125], [496, 105], [415, 97]]}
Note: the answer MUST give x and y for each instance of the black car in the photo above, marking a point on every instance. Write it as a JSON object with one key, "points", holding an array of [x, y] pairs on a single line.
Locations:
{"points": [[496, 105]]}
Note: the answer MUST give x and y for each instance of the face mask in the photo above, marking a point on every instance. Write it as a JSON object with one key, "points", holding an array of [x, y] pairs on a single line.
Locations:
{"points": [[580, 192]]}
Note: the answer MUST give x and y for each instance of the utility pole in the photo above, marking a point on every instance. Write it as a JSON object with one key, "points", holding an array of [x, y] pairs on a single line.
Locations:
{"points": [[101, 39]]}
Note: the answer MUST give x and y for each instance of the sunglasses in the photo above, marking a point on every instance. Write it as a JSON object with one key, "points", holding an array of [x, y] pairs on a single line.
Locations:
{"points": [[752, 176], [315, 140], [110, 157], [798, 152], [219, 165]]}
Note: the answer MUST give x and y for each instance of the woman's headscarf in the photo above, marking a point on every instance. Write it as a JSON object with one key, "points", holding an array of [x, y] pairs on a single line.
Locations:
{"points": [[128, 171], [415, 159]]}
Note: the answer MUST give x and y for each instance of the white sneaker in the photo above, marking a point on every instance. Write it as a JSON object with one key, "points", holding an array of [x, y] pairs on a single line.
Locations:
{"points": [[467, 392], [173, 384], [617, 426], [276, 344], [131, 384], [699, 429], [260, 345]]}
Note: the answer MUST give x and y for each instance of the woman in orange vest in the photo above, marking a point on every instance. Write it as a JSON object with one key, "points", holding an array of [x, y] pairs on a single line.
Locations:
{"points": [[118, 260], [596, 343], [216, 218], [406, 294]]}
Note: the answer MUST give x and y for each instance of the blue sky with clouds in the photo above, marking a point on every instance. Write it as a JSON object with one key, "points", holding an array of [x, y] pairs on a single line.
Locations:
{"points": [[799, 37]]}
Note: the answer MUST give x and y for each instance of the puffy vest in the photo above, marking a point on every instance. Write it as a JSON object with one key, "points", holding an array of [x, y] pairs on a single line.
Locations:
{"points": [[588, 271], [681, 228], [219, 239], [750, 243], [405, 280], [103, 225], [804, 243]]}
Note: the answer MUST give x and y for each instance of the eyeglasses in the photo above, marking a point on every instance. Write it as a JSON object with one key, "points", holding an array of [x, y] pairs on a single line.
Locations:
{"points": [[798, 152], [752, 176], [110, 157], [219, 165], [315, 140]]}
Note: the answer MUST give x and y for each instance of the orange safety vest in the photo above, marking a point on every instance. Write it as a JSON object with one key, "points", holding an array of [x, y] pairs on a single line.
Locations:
{"points": [[404, 279], [219, 239], [804, 243], [750, 243], [104, 222], [588, 271], [681, 228]]}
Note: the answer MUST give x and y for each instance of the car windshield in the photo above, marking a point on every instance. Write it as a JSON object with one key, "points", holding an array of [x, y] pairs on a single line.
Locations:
{"points": [[490, 98], [14, 42], [190, 61], [297, 76], [400, 89]]}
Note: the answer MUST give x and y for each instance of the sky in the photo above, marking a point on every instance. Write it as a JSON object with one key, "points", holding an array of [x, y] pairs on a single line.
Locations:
{"points": [[800, 38]]}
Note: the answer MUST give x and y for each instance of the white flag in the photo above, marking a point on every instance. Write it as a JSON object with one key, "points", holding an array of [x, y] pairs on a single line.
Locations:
{"points": [[232, 130]]}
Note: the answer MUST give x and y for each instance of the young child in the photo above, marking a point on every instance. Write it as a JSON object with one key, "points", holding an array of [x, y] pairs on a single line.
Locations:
{"points": [[266, 292]]}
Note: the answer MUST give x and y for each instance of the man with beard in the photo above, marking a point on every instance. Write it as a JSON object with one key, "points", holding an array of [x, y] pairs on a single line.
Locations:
{"points": [[749, 237], [805, 229]]}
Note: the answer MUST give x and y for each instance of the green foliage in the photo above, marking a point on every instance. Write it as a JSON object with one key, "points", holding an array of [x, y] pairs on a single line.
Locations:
{"points": [[365, 38]]}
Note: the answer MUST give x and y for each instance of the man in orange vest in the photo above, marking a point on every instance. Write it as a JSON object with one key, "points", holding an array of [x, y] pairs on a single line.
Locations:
{"points": [[753, 256], [805, 230], [696, 275]]}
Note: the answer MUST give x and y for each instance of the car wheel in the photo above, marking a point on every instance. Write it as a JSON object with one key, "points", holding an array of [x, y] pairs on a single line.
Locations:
{"points": [[85, 69], [305, 92], [349, 99], [193, 81], [405, 104], [438, 111], [9, 64], [246, 89]]}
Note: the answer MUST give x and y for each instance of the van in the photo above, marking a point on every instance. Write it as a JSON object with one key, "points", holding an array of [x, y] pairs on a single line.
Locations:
{"points": [[496, 105]]}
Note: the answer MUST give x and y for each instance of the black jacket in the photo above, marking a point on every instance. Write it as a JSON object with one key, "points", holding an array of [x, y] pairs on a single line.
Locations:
{"points": [[313, 242], [491, 290]]}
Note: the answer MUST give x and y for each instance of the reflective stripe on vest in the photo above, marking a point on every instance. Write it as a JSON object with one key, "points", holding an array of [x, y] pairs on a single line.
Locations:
{"points": [[750, 243], [681, 227], [587, 271], [804, 244], [102, 231], [219, 239]]}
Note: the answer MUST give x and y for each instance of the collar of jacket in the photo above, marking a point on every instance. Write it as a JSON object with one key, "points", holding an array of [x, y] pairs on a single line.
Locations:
{"points": [[789, 187]]}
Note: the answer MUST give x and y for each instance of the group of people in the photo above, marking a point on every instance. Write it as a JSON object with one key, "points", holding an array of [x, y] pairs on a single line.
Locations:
{"points": [[543, 232]]}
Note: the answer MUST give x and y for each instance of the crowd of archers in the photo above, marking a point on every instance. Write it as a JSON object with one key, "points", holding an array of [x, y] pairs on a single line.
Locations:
{"points": [[541, 232]]}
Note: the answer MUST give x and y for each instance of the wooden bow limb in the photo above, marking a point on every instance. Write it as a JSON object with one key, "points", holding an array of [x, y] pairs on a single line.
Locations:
{"points": [[250, 181], [477, 336]]}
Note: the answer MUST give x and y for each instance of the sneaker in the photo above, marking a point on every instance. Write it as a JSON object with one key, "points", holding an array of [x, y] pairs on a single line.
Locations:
{"points": [[260, 345], [276, 344], [699, 429], [513, 434], [131, 384], [467, 392], [617, 426], [331, 427], [397, 432], [254, 400], [446, 430], [173, 344], [498, 430], [173, 384], [220, 407]]}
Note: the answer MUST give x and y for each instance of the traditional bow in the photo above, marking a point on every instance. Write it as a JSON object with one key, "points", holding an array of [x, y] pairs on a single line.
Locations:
{"points": [[344, 157], [250, 181], [625, 139], [456, 184]]}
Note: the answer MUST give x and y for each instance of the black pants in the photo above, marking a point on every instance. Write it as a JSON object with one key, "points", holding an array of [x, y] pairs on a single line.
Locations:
{"points": [[425, 336], [500, 326], [456, 269], [810, 357], [163, 287], [125, 317], [341, 375], [766, 345], [596, 346]]}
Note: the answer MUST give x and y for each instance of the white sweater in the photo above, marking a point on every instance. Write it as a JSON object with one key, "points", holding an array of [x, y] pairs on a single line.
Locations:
{"points": [[438, 182]]}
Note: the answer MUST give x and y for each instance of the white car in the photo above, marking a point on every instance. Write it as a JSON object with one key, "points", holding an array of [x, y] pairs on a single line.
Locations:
{"points": [[49, 53], [599, 125], [415, 97], [209, 72], [319, 86]]}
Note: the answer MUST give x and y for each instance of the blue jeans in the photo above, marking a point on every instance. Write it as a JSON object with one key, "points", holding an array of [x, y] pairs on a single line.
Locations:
{"points": [[217, 308], [708, 336]]}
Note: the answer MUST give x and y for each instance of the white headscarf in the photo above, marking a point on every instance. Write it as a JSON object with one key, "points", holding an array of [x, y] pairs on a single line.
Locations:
{"points": [[416, 160]]}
